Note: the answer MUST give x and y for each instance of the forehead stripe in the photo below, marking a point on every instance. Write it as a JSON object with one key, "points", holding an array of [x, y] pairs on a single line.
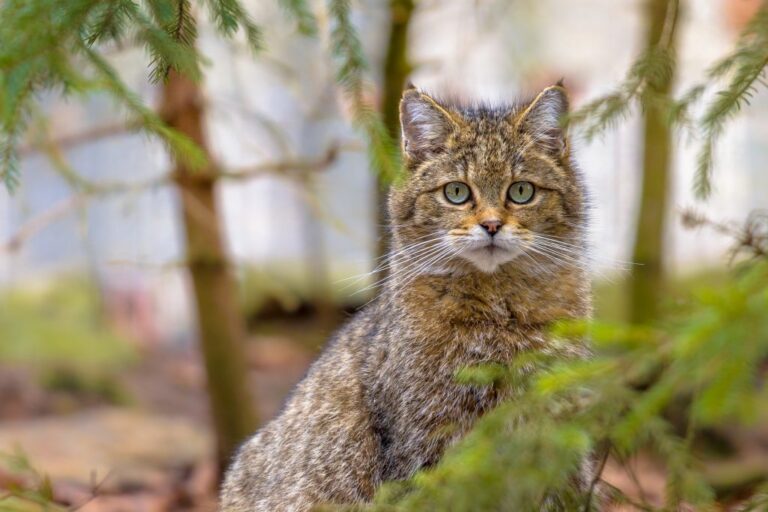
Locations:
{"points": [[549, 161]]}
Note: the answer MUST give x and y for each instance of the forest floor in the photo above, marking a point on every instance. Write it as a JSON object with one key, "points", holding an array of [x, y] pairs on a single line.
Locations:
{"points": [[147, 448]]}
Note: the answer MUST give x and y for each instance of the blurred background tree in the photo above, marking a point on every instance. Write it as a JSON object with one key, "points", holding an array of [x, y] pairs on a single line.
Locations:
{"points": [[647, 283], [397, 68], [46, 45]]}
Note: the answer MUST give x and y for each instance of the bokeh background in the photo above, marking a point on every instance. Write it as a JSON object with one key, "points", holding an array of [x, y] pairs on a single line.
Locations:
{"points": [[100, 373]]}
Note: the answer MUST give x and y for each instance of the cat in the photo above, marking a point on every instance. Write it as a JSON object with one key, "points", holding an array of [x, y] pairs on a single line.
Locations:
{"points": [[487, 250]]}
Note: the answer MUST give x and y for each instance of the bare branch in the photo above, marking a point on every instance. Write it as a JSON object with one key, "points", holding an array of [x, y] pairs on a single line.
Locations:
{"points": [[751, 237], [41, 221], [597, 477], [87, 189], [75, 139], [286, 168]]}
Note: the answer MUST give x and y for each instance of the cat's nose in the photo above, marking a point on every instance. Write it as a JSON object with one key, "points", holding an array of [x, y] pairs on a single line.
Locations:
{"points": [[491, 226]]}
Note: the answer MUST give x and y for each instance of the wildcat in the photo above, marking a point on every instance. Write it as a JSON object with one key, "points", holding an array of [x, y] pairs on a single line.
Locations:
{"points": [[487, 251]]}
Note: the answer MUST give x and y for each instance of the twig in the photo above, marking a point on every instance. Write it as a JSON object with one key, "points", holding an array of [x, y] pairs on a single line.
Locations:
{"points": [[627, 499], [751, 237], [95, 488], [285, 168], [633, 476], [38, 223], [596, 478], [76, 139]]}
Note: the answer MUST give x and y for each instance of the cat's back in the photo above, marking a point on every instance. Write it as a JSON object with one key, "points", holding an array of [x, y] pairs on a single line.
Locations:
{"points": [[320, 447]]}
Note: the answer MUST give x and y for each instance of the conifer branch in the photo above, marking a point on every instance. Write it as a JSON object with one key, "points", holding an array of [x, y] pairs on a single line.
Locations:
{"points": [[300, 11], [229, 15], [164, 38], [655, 65], [351, 67], [743, 70], [109, 22], [746, 64], [175, 18], [182, 147]]}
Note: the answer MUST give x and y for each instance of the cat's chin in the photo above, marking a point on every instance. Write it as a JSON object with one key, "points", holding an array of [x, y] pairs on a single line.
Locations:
{"points": [[490, 258]]}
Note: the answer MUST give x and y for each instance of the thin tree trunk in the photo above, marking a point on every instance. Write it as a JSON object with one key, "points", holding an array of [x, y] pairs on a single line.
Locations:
{"points": [[396, 71], [219, 316], [648, 280]]}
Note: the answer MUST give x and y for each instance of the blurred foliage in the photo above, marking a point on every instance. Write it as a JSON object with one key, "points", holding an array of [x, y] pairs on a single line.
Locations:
{"points": [[351, 66], [261, 288], [27, 490], [525, 454], [727, 86], [59, 325], [85, 386], [611, 302], [287, 287], [52, 45]]}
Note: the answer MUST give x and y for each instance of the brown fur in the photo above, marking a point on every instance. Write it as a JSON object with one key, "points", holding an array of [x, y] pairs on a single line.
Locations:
{"points": [[382, 401]]}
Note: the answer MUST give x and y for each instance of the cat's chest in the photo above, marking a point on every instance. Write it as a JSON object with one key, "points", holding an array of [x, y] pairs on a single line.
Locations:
{"points": [[421, 367], [421, 403]]}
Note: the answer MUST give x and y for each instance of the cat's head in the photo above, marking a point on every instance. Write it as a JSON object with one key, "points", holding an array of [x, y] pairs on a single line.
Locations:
{"points": [[489, 185]]}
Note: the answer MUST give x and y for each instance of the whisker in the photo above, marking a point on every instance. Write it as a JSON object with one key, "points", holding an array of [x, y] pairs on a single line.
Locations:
{"points": [[384, 265], [408, 279], [566, 250], [536, 265], [430, 252], [559, 257], [569, 260], [624, 265], [409, 246]]}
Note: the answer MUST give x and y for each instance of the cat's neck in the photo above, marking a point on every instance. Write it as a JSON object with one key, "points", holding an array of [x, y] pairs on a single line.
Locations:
{"points": [[511, 295]]}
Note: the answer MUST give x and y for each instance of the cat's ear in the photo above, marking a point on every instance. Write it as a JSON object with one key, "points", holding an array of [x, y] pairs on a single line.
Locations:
{"points": [[425, 124], [542, 120]]}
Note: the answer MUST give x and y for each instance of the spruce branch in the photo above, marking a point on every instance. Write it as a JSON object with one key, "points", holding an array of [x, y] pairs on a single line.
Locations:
{"points": [[742, 70], [351, 66], [181, 146], [17, 86], [31, 61], [109, 21], [653, 67], [746, 65], [229, 15], [167, 38], [301, 12]]}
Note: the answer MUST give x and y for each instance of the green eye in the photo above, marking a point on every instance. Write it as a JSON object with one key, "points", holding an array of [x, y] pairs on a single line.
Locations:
{"points": [[521, 192], [456, 192]]}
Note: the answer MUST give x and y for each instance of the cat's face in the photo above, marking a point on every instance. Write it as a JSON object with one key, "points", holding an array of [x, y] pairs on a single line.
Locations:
{"points": [[491, 187]]}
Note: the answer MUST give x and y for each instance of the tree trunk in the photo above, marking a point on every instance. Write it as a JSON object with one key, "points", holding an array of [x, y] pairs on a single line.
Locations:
{"points": [[396, 71], [647, 280], [219, 317]]}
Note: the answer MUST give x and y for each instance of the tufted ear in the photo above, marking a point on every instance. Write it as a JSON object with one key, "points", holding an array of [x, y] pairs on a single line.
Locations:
{"points": [[425, 125], [542, 120]]}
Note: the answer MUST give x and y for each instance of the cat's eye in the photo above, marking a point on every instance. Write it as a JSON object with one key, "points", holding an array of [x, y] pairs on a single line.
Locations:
{"points": [[456, 192], [521, 192]]}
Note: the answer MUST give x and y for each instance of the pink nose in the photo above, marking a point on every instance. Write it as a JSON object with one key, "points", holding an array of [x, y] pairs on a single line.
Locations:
{"points": [[491, 226]]}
